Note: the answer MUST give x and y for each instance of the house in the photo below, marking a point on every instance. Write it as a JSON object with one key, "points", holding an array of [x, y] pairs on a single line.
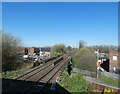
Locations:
{"points": [[114, 60], [30, 51], [45, 51], [39, 51]]}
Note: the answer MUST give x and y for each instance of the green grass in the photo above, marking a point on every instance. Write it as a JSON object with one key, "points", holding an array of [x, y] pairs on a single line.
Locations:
{"points": [[10, 74], [73, 83], [110, 81]]}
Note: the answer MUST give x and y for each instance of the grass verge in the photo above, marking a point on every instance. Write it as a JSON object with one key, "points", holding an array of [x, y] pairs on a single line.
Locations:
{"points": [[110, 81], [73, 83]]}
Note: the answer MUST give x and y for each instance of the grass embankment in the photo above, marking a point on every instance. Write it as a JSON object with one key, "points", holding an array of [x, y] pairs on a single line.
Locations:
{"points": [[73, 83], [110, 81], [19, 71]]}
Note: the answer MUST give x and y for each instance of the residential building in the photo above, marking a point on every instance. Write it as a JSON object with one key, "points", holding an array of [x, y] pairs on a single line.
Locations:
{"points": [[45, 52], [40, 51], [114, 60], [30, 51]]}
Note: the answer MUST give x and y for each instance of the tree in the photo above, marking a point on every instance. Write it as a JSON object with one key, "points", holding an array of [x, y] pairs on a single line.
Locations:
{"points": [[57, 50], [82, 44], [85, 59], [10, 49], [68, 48], [105, 48]]}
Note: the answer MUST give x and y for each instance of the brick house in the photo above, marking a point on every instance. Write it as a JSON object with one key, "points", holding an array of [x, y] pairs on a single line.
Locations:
{"points": [[27, 50], [30, 51], [114, 60], [44, 51]]}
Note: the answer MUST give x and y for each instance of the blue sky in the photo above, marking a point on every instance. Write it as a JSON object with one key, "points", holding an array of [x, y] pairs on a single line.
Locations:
{"points": [[46, 24]]}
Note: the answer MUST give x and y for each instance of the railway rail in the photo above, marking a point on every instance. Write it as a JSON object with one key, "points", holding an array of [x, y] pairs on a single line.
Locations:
{"points": [[37, 68], [45, 79], [31, 75], [37, 78]]}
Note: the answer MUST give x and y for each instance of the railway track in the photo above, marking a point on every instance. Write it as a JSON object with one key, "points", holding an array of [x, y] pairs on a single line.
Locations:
{"points": [[35, 70], [32, 75], [44, 80], [35, 80]]}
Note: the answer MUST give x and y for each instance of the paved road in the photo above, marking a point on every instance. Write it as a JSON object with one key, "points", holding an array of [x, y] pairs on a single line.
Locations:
{"points": [[110, 74]]}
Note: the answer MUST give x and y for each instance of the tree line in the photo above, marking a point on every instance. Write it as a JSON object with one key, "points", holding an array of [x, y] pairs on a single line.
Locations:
{"points": [[101, 48], [11, 47]]}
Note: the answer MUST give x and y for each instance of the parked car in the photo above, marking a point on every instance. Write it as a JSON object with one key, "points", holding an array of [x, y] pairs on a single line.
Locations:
{"points": [[25, 56]]}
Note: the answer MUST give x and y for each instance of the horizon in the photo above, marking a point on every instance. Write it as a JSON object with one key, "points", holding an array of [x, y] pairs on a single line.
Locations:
{"points": [[66, 22], [68, 45]]}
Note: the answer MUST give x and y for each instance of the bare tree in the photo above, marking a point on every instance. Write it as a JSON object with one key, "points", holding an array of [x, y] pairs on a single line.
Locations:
{"points": [[10, 51]]}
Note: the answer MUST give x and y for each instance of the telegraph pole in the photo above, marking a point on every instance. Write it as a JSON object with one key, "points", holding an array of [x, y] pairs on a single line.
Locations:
{"points": [[97, 64], [97, 52]]}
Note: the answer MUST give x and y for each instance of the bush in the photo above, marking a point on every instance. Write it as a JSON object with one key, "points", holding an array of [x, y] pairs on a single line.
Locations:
{"points": [[73, 83], [85, 59], [10, 50], [57, 50]]}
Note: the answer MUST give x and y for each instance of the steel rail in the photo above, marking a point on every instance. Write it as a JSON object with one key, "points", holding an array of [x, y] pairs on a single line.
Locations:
{"points": [[35, 68], [28, 88], [40, 90]]}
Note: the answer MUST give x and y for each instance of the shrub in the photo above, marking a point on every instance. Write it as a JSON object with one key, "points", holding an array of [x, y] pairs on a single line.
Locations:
{"points": [[10, 50], [85, 59]]}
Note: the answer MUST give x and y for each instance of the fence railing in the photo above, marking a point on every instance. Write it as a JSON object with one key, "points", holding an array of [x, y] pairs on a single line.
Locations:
{"points": [[85, 72]]}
